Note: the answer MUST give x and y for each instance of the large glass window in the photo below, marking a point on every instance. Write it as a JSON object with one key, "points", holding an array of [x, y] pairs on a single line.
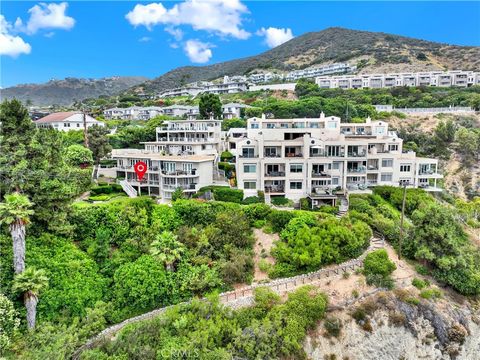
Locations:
{"points": [[405, 168], [296, 168], [248, 152], [249, 184], [249, 168], [386, 177], [387, 163], [295, 185]]}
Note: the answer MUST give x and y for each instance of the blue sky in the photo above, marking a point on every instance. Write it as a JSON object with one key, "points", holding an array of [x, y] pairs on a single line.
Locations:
{"points": [[98, 39]]}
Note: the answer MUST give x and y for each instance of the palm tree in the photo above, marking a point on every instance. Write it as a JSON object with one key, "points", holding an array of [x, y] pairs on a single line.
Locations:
{"points": [[167, 249], [15, 212], [30, 282]]}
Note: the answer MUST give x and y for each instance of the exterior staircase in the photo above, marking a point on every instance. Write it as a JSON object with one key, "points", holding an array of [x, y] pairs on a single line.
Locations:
{"points": [[343, 208], [129, 190]]}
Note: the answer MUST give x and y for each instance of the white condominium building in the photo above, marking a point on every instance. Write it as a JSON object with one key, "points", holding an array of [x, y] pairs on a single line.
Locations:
{"points": [[147, 113], [66, 121], [299, 158], [433, 78], [183, 156]]}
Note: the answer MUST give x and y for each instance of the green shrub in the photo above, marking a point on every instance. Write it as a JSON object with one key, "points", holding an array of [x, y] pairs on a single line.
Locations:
{"points": [[264, 265], [432, 294], [419, 283], [226, 156], [228, 195], [227, 167], [377, 262], [252, 200], [258, 224], [333, 326], [422, 270], [257, 212], [281, 201], [279, 219]]}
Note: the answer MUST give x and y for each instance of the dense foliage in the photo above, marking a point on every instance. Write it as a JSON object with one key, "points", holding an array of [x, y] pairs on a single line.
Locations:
{"points": [[377, 268], [433, 235], [207, 330], [312, 240]]}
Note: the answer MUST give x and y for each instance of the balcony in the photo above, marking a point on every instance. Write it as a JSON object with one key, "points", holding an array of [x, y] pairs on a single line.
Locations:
{"points": [[357, 170], [357, 154], [320, 174], [187, 140], [274, 188], [181, 186], [293, 155], [275, 173], [272, 155], [180, 173], [248, 156]]}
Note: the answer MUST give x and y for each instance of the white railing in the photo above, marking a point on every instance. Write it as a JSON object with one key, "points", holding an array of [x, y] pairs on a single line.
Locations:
{"points": [[129, 190]]}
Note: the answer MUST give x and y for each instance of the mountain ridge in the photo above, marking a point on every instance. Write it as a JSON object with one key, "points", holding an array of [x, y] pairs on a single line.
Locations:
{"points": [[372, 52]]}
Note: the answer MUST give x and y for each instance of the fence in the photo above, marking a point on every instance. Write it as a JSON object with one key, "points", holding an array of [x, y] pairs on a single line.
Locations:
{"points": [[435, 110], [245, 294]]}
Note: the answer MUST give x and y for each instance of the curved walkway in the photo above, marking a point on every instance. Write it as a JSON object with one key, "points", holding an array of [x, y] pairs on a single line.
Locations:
{"points": [[244, 296]]}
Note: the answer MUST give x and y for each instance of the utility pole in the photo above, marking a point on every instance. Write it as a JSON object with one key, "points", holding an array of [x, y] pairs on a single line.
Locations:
{"points": [[401, 220], [85, 132]]}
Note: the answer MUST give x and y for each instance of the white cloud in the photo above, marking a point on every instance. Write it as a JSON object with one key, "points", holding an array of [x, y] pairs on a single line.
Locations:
{"points": [[175, 32], [145, 39], [219, 16], [46, 16], [275, 36], [197, 51], [11, 45]]}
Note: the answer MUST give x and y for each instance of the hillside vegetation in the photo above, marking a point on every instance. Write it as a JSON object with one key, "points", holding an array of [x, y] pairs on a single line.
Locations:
{"points": [[69, 90], [372, 51]]}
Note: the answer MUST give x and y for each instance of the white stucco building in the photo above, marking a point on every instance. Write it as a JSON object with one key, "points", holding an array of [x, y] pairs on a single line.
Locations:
{"points": [[299, 158], [66, 121], [184, 156], [433, 78]]}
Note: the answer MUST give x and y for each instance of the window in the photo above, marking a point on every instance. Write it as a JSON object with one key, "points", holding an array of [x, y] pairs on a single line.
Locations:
{"points": [[393, 147], [284, 125], [270, 126], [296, 168], [249, 184], [333, 150], [387, 163], [386, 177], [405, 168], [254, 126], [335, 181], [335, 165], [380, 130], [78, 125], [295, 185], [249, 168], [248, 152]]}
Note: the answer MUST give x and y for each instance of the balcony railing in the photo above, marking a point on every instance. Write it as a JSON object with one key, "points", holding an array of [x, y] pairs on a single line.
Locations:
{"points": [[427, 172], [357, 154], [179, 173], [275, 173], [293, 155], [188, 140], [356, 171], [320, 174], [250, 156], [181, 186], [274, 189]]}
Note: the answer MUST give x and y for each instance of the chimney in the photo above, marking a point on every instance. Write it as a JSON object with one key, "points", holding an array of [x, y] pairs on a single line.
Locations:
{"points": [[322, 115], [263, 116]]}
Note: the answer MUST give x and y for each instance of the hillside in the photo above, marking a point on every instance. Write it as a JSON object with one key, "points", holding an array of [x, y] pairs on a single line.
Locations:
{"points": [[379, 52], [65, 92]]}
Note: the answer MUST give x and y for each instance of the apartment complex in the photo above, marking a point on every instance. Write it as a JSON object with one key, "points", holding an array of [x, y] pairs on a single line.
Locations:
{"points": [[299, 158], [433, 78], [183, 156], [230, 85]]}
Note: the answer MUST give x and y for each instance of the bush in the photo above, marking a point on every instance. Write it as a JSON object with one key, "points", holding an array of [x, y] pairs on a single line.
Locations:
{"points": [[431, 294], [257, 212], [377, 262], [227, 167], [226, 156], [333, 326], [252, 200], [281, 201], [228, 195], [279, 219], [419, 283]]}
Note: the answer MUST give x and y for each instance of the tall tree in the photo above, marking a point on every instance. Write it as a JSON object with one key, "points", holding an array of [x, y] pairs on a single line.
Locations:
{"points": [[98, 142], [16, 132], [15, 212], [210, 105], [30, 283]]}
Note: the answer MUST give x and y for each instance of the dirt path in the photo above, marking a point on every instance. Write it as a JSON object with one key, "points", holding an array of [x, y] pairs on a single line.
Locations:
{"points": [[263, 245]]}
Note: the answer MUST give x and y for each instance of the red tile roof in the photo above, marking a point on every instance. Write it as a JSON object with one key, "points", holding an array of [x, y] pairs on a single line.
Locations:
{"points": [[56, 117]]}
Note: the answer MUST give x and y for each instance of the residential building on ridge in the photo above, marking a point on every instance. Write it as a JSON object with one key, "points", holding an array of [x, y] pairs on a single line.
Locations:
{"points": [[66, 121], [233, 110], [433, 78], [298, 158]]}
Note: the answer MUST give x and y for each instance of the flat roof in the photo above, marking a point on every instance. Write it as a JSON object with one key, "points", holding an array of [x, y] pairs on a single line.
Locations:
{"points": [[141, 154]]}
